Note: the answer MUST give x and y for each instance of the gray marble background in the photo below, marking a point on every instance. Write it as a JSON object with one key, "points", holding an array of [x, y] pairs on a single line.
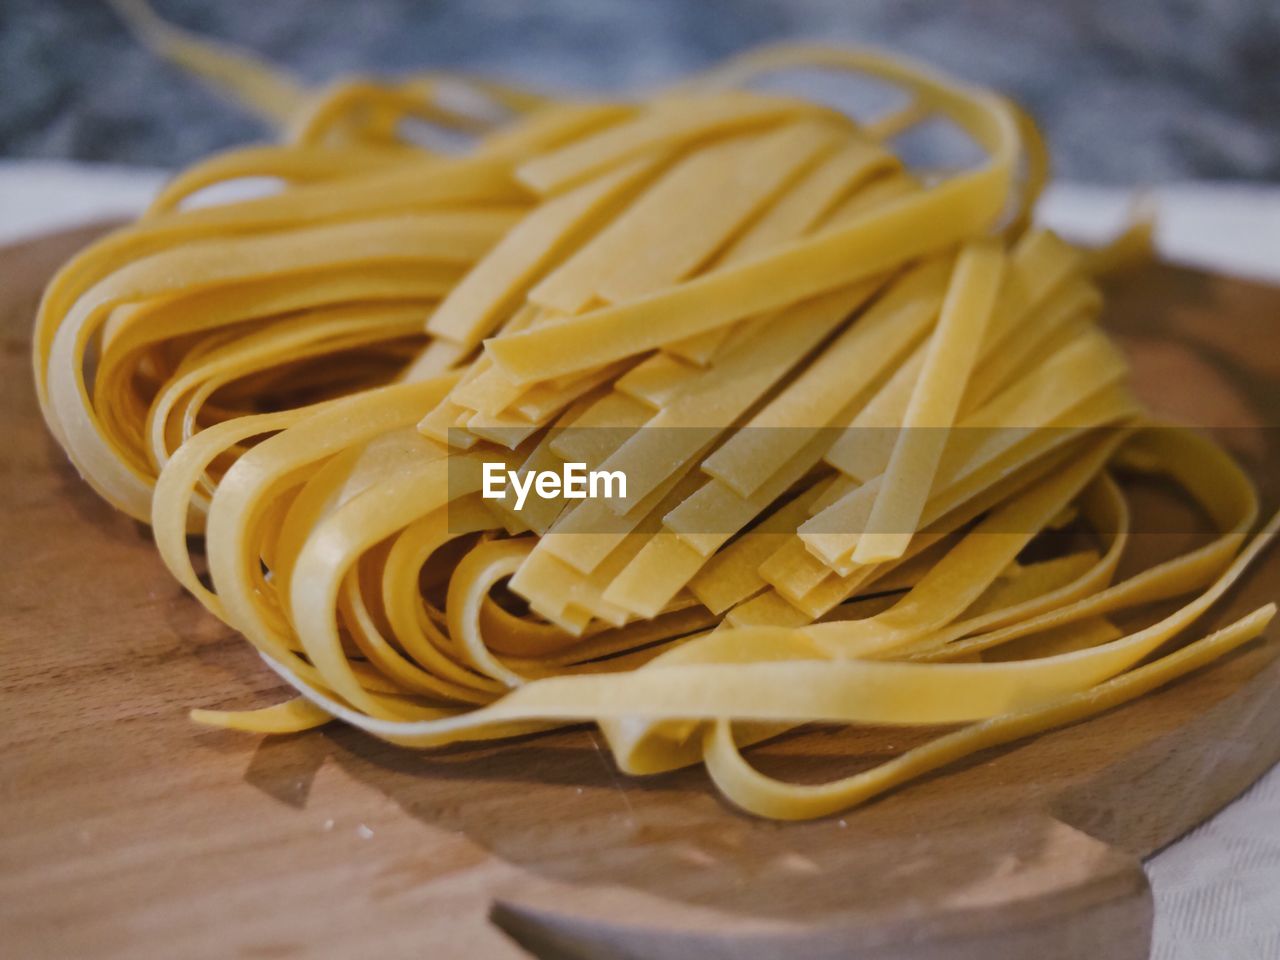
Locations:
{"points": [[1128, 90]]}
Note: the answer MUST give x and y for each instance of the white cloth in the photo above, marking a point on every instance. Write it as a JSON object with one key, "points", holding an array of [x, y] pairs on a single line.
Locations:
{"points": [[1217, 890]]}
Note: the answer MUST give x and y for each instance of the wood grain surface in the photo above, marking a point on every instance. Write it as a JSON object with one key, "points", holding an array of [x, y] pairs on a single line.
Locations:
{"points": [[126, 831]]}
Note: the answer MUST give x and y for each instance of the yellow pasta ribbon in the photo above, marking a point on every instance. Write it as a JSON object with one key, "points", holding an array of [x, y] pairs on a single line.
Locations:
{"points": [[848, 398]]}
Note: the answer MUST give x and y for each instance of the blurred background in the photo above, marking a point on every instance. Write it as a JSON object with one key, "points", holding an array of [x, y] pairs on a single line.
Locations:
{"points": [[1128, 91]]}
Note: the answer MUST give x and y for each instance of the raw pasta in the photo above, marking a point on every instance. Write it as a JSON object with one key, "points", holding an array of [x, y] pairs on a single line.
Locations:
{"points": [[826, 377]]}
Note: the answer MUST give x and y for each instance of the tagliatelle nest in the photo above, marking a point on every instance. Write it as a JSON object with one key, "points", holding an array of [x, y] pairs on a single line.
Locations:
{"points": [[824, 376]]}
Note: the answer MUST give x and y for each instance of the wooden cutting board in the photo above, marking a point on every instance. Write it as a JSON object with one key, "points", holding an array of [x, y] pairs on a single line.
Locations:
{"points": [[125, 831]]}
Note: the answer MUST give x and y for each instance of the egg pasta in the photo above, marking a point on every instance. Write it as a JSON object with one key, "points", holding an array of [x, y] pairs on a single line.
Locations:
{"points": [[847, 395]]}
